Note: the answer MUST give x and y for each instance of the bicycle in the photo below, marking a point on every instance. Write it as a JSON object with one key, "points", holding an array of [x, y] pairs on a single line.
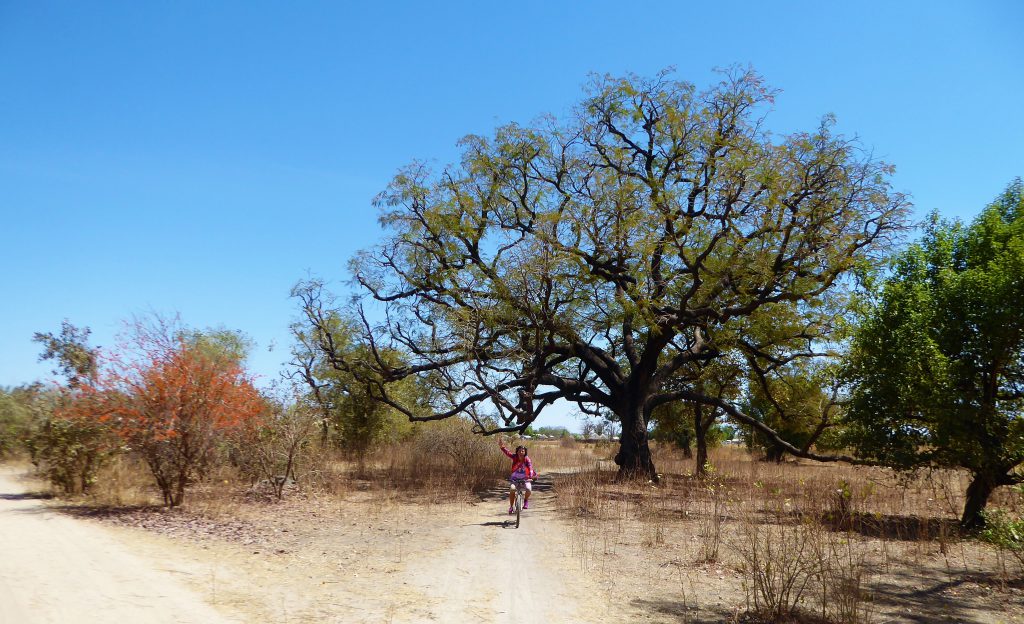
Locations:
{"points": [[520, 485]]}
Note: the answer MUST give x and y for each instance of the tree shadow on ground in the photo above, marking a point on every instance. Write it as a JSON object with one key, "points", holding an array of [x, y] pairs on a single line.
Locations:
{"points": [[542, 484], [892, 527], [26, 496], [111, 511], [925, 599]]}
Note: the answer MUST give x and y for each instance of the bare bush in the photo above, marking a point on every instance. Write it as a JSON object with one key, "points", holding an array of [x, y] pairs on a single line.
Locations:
{"points": [[778, 566], [710, 517], [792, 565], [271, 451]]}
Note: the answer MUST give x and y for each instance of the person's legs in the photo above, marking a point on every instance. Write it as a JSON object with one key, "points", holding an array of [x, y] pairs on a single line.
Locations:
{"points": [[512, 497], [526, 496]]}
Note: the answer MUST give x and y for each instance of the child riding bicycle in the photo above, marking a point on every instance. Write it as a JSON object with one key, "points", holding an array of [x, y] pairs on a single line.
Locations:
{"points": [[522, 472]]}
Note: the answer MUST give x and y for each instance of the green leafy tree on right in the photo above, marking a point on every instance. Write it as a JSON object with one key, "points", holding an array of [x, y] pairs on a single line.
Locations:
{"points": [[937, 364]]}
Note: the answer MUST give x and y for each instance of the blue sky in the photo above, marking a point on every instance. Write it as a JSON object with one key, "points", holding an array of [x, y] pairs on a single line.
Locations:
{"points": [[199, 158]]}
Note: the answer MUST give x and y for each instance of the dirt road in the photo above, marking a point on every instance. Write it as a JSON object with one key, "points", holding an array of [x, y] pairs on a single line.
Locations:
{"points": [[404, 563], [476, 568], [61, 570]]}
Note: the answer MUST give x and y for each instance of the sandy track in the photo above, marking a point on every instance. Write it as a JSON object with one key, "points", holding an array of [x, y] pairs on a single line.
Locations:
{"points": [[481, 570], [439, 563], [61, 570]]}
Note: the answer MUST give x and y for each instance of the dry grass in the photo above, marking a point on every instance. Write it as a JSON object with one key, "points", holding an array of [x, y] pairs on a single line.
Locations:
{"points": [[753, 541], [792, 540]]}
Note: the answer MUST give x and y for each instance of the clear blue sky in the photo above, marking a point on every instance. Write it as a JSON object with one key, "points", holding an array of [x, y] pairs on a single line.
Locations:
{"points": [[201, 157]]}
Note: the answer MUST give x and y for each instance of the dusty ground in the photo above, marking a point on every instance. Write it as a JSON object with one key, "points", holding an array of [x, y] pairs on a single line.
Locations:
{"points": [[57, 569], [364, 560], [378, 557]]}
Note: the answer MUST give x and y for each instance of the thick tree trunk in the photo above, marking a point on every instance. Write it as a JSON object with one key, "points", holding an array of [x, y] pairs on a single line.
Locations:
{"points": [[634, 456], [702, 457], [978, 492]]}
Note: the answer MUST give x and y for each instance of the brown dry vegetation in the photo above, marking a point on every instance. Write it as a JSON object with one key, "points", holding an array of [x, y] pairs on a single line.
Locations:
{"points": [[755, 541]]}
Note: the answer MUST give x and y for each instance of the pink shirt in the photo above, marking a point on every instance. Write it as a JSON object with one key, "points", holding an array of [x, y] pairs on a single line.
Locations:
{"points": [[521, 468]]}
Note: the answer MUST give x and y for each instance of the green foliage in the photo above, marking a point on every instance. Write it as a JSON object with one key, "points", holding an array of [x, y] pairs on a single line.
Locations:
{"points": [[15, 420], [674, 422], [219, 344], [75, 359], [1005, 533], [795, 403], [937, 364], [330, 360], [68, 451]]}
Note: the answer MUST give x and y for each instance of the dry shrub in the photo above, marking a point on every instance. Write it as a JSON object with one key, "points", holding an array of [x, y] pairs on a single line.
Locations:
{"points": [[710, 516], [552, 455], [446, 455], [843, 581], [777, 567], [124, 481], [582, 493], [277, 450], [796, 569]]}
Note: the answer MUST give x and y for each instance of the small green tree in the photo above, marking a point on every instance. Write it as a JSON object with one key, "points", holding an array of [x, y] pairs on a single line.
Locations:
{"points": [[801, 403], [326, 346], [937, 366], [15, 420], [673, 423], [74, 359], [68, 450]]}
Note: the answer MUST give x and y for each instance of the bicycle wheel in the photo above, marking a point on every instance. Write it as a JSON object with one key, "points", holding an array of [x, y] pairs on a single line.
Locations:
{"points": [[519, 504]]}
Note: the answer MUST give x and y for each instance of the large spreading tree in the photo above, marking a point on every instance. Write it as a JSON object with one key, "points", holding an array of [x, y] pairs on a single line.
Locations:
{"points": [[937, 366], [607, 259]]}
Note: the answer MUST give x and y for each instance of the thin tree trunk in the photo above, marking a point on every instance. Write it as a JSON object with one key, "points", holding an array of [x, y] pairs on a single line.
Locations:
{"points": [[702, 445], [700, 427], [774, 453], [179, 493]]}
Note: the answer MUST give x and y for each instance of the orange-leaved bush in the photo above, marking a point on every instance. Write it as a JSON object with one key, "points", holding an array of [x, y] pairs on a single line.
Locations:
{"points": [[171, 403]]}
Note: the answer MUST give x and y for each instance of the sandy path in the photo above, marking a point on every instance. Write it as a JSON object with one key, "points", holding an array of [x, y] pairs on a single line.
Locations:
{"points": [[58, 569], [405, 563], [480, 570], [453, 562]]}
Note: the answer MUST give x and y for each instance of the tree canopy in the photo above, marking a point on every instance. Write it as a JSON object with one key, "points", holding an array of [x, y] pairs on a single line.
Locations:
{"points": [[603, 259], [937, 366]]}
